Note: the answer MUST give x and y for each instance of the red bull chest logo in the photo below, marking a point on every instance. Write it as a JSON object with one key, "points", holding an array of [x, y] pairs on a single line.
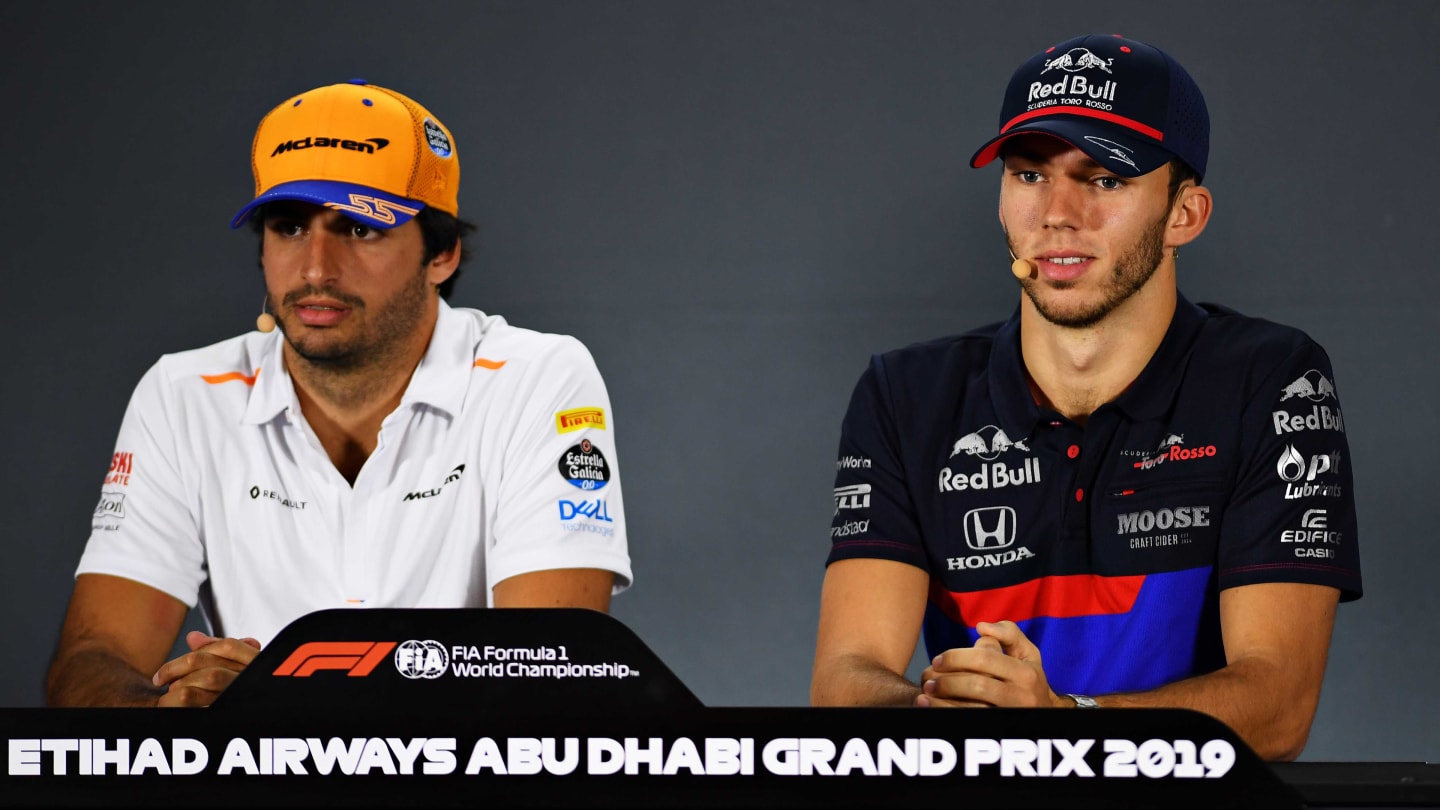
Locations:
{"points": [[988, 444]]}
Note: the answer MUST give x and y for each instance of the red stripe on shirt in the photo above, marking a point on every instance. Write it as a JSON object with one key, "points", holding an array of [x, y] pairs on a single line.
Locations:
{"points": [[1059, 597]]}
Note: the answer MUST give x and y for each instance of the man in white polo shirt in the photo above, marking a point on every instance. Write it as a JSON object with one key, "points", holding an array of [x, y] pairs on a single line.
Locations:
{"points": [[380, 450]]}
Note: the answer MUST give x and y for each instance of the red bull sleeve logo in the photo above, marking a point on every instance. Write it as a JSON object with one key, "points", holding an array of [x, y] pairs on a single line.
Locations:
{"points": [[1314, 387]]}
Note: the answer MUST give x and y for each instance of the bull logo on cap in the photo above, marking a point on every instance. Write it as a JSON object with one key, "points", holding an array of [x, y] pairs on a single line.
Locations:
{"points": [[1075, 60]]}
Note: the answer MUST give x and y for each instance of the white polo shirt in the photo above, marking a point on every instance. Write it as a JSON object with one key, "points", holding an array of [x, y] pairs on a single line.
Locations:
{"points": [[499, 460]]}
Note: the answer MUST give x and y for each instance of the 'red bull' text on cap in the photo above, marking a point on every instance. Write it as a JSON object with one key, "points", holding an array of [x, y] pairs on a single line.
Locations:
{"points": [[371, 153], [1127, 105]]}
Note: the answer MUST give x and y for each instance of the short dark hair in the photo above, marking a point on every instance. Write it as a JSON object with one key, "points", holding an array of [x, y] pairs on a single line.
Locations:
{"points": [[439, 232], [1180, 171]]}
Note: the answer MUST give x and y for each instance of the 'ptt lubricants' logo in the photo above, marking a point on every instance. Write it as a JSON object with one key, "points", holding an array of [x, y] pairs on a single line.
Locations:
{"points": [[987, 444], [1077, 59], [1291, 467]]}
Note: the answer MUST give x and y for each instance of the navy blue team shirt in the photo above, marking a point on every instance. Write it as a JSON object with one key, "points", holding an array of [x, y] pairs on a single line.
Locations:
{"points": [[1223, 464]]}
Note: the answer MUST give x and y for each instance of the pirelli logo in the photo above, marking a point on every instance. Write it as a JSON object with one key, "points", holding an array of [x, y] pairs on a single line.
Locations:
{"points": [[357, 658], [578, 418]]}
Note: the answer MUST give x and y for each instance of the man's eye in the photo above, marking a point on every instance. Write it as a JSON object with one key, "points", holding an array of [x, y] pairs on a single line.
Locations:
{"points": [[1109, 183], [361, 231], [1028, 177], [286, 228]]}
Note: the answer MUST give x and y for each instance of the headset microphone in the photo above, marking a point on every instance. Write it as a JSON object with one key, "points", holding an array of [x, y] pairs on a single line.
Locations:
{"points": [[265, 322], [1022, 269]]}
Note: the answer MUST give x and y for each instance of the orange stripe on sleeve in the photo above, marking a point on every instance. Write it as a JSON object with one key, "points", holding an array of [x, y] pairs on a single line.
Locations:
{"points": [[216, 379], [490, 364]]}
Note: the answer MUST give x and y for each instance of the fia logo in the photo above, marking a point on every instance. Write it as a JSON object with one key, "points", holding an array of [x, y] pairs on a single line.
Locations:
{"points": [[990, 527], [421, 659]]}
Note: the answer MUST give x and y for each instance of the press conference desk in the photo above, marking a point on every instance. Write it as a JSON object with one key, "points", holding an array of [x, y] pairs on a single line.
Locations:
{"points": [[569, 708]]}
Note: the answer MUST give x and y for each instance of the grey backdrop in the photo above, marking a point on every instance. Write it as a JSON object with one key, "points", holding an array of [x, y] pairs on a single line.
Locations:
{"points": [[733, 205]]}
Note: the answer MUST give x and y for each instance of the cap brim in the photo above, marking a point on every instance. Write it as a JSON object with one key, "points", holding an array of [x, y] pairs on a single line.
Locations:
{"points": [[364, 204], [1115, 147]]}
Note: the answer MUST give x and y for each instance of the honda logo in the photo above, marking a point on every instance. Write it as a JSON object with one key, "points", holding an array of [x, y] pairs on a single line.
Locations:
{"points": [[991, 527]]}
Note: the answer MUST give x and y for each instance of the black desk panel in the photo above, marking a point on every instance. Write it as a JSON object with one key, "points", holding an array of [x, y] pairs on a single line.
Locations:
{"points": [[568, 708]]}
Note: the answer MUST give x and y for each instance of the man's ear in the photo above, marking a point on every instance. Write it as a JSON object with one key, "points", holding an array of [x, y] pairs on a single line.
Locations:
{"points": [[443, 265], [1189, 215]]}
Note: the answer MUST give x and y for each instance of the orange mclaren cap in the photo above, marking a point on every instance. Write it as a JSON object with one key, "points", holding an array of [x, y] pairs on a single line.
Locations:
{"points": [[370, 152]]}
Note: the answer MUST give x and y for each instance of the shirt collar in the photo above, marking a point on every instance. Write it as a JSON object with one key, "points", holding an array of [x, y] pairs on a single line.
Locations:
{"points": [[441, 380], [1152, 393], [443, 376], [1148, 397]]}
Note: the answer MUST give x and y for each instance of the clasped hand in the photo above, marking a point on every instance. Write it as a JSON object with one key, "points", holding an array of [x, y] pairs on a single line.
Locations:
{"points": [[1002, 669], [199, 676]]}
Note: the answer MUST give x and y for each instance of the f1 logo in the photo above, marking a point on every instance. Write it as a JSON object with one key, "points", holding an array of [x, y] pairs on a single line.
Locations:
{"points": [[357, 657], [990, 527], [1314, 519]]}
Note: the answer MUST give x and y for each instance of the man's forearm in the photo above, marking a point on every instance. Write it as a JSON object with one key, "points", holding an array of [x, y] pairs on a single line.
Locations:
{"points": [[1251, 696], [855, 681], [95, 677]]}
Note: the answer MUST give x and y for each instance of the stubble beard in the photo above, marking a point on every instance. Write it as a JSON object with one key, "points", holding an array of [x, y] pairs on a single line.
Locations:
{"points": [[1133, 270], [383, 340]]}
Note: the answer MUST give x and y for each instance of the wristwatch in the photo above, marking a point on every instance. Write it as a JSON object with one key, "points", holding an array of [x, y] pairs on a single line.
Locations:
{"points": [[1084, 701]]}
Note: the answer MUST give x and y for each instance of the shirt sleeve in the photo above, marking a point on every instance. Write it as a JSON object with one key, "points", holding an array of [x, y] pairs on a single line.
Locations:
{"points": [[1291, 517], [874, 512], [144, 528], [559, 503]]}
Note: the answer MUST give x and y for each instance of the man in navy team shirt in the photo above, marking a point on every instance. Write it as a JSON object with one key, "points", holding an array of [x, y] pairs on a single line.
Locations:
{"points": [[1116, 497]]}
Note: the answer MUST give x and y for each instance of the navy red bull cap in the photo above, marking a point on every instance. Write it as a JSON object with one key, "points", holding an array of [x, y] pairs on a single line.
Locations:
{"points": [[1127, 105]]}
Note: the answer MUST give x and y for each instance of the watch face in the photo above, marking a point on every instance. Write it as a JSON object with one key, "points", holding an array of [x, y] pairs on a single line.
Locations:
{"points": [[1083, 702]]}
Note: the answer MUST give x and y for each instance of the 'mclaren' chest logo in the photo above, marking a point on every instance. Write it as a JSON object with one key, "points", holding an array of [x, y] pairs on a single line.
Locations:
{"points": [[453, 476]]}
